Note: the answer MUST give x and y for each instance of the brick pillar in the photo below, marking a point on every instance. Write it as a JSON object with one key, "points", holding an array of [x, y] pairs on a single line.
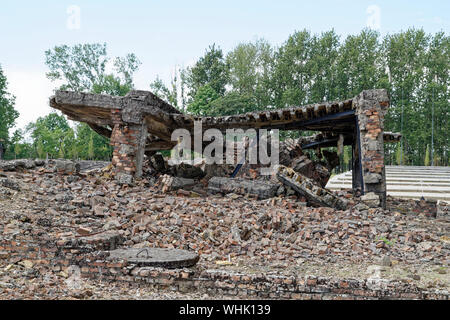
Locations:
{"points": [[370, 108], [128, 141]]}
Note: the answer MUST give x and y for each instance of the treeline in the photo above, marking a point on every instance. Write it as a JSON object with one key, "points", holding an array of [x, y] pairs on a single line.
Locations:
{"points": [[306, 68]]}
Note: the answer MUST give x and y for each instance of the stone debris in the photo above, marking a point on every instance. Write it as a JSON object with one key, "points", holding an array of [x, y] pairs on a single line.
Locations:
{"points": [[305, 187], [371, 200], [443, 210], [257, 188], [170, 183], [187, 171], [158, 163], [67, 167], [279, 234], [289, 150], [385, 261]]}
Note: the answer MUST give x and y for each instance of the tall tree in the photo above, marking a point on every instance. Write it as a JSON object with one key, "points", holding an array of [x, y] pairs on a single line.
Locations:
{"points": [[405, 56], [211, 70], [53, 135], [358, 66], [292, 70], [201, 104], [250, 67], [323, 64], [8, 114], [83, 67], [168, 94]]}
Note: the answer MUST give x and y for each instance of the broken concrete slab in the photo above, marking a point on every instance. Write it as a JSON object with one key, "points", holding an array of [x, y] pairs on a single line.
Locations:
{"points": [[141, 123], [157, 257], [261, 189], [307, 188], [290, 149], [218, 170], [89, 166], [67, 166], [170, 183], [312, 170], [13, 165], [371, 199]]}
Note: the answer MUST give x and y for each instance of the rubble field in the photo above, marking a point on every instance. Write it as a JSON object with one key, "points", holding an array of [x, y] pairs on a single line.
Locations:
{"points": [[233, 232]]}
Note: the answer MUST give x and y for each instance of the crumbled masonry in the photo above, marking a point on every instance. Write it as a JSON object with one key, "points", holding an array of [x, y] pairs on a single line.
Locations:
{"points": [[73, 236]]}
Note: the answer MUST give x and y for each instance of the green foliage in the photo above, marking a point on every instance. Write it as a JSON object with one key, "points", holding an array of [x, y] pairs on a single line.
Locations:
{"points": [[387, 241], [82, 67], [201, 105], [211, 70], [51, 135], [250, 66], [160, 90], [8, 114], [232, 103], [91, 145], [419, 66], [40, 149], [400, 157], [292, 71], [347, 157], [91, 148], [16, 148], [358, 65]]}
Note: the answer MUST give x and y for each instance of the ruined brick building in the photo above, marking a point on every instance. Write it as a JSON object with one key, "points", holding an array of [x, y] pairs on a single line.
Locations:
{"points": [[141, 123]]}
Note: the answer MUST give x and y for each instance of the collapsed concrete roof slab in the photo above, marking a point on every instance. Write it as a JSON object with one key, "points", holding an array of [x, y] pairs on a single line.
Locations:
{"points": [[141, 122]]}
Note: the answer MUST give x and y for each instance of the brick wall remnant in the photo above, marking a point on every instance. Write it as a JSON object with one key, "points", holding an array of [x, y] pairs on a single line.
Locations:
{"points": [[128, 141], [370, 108]]}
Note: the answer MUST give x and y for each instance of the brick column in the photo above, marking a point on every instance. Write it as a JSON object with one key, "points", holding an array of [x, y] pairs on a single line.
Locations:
{"points": [[370, 108], [128, 141]]}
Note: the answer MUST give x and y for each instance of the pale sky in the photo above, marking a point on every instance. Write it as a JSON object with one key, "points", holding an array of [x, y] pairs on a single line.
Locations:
{"points": [[167, 33]]}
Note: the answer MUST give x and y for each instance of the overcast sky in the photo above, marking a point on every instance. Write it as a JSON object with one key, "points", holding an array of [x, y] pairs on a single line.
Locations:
{"points": [[167, 33]]}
